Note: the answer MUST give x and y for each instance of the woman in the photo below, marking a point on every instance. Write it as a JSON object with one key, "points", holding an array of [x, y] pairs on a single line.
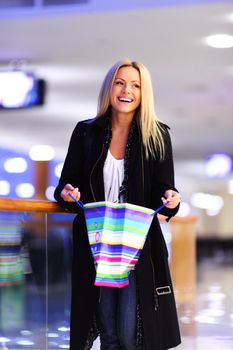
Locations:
{"points": [[124, 154]]}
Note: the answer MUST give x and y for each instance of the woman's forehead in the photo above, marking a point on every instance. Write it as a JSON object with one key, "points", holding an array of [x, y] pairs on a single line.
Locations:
{"points": [[128, 72]]}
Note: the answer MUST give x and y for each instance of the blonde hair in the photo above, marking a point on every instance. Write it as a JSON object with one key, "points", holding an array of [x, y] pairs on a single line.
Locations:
{"points": [[151, 131]]}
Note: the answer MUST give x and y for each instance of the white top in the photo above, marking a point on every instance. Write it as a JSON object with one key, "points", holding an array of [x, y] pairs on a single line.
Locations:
{"points": [[113, 176]]}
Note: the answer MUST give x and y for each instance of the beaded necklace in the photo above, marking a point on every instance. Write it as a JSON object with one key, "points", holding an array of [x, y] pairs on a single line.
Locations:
{"points": [[123, 191]]}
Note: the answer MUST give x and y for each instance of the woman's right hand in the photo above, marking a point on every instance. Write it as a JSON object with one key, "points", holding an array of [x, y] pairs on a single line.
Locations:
{"points": [[72, 190]]}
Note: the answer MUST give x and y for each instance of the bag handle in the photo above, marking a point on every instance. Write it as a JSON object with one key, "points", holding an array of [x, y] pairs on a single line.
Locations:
{"points": [[81, 205]]}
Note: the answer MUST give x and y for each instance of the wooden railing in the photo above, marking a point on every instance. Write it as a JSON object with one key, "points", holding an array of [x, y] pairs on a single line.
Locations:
{"points": [[44, 206], [37, 206]]}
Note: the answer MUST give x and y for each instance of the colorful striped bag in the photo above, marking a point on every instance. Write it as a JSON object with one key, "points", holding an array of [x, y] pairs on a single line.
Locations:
{"points": [[116, 232]]}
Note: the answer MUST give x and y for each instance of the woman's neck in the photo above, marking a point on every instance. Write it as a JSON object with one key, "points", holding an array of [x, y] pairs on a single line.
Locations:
{"points": [[121, 121], [120, 130]]}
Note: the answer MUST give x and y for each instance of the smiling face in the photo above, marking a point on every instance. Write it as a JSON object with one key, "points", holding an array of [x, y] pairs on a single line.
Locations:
{"points": [[126, 91]]}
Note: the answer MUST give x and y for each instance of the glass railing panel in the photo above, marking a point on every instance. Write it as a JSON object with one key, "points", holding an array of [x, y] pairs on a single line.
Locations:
{"points": [[35, 273], [59, 255], [22, 289]]}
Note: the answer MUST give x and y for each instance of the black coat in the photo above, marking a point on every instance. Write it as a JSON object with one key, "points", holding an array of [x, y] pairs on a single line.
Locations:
{"points": [[148, 180]]}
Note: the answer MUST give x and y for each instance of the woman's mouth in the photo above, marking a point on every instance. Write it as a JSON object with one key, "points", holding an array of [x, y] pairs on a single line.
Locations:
{"points": [[125, 99]]}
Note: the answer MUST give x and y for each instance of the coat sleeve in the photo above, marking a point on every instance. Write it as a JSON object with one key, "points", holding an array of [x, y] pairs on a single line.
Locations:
{"points": [[163, 176], [72, 168]]}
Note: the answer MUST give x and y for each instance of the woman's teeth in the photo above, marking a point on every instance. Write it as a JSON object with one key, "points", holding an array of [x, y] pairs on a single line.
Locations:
{"points": [[124, 99]]}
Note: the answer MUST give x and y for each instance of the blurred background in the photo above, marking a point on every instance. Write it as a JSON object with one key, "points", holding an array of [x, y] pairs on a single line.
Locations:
{"points": [[53, 57], [70, 46]]}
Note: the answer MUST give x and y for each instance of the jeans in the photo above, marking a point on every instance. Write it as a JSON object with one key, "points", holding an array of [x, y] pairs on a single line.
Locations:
{"points": [[118, 317]]}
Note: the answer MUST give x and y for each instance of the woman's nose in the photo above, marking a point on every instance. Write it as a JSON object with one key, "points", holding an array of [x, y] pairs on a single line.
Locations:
{"points": [[127, 88]]}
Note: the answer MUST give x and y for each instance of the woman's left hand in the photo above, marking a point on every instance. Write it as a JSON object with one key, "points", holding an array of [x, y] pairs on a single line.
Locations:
{"points": [[171, 199]]}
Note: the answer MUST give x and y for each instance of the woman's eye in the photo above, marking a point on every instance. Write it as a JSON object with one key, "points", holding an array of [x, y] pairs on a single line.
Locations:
{"points": [[136, 86], [118, 82]]}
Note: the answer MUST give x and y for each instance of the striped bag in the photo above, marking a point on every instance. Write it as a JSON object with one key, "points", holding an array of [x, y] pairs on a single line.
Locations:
{"points": [[116, 232]]}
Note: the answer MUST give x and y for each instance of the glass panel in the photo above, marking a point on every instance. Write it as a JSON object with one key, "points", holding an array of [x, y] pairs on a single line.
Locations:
{"points": [[59, 268], [22, 280], [35, 264]]}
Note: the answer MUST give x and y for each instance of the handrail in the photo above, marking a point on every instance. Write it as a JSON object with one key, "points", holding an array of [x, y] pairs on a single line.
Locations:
{"points": [[37, 206], [44, 206]]}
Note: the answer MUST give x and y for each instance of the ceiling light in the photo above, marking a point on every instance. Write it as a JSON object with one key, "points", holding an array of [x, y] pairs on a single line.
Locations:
{"points": [[25, 190], [41, 153], [207, 201], [220, 41], [15, 165], [4, 189], [218, 165], [211, 212], [58, 169], [50, 193]]}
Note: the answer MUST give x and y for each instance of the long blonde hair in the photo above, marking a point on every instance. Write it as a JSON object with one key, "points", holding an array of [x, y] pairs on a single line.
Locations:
{"points": [[151, 131]]}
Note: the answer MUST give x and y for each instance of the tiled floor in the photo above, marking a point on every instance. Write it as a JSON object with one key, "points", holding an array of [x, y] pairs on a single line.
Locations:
{"points": [[206, 322]]}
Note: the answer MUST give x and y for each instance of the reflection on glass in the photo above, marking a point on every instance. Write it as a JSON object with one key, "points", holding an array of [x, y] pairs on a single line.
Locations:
{"points": [[35, 260]]}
